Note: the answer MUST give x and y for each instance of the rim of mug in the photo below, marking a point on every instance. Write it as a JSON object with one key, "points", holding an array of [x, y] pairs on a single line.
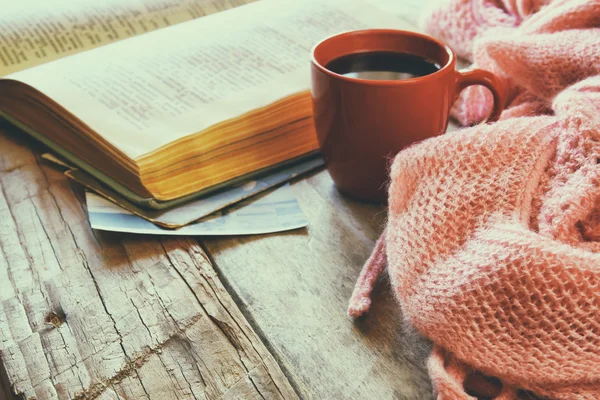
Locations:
{"points": [[383, 82]]}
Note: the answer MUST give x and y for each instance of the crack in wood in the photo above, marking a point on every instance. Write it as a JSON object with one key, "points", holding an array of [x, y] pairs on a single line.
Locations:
{"points": [[273, 379], [188, 347], [46, 233], [256, 388], [226, 308], [222, 325], [239, 302], [9, 270], [106, 308], [187, 381], [232, 338], [175, 382], [150, 335], [141, 384]]}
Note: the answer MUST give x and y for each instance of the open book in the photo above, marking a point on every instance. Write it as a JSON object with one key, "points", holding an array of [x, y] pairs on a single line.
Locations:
{"points": [[163, 106]]}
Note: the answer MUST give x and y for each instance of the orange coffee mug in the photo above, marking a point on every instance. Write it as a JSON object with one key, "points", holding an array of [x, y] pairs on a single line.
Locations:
{"points": [[363, 121]]}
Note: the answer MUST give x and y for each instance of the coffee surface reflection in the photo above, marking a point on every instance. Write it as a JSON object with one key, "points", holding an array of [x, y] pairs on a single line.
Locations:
{"points": [[382, 65]]}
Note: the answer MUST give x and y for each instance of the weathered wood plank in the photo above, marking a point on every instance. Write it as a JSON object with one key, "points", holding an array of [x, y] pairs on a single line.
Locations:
{"points": [[88, 314], [296, 288]]}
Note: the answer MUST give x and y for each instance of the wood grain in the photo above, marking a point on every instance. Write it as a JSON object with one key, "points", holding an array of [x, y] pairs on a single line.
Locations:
{"points": [[88, 314], [296, 286]]}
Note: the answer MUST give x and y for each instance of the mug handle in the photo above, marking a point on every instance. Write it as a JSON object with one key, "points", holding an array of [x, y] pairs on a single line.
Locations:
{"points": [[485, 78]]}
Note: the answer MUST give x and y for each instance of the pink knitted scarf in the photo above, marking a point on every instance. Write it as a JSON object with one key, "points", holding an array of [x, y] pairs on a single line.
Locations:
{"points": [[492, 243]]}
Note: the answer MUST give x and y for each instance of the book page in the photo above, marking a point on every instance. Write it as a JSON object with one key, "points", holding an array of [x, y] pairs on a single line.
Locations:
{"points": [[145, 92], [33, 32]]}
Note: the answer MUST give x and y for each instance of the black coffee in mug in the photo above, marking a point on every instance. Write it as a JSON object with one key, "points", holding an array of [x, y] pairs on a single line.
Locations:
{"points": [[382, 65]]}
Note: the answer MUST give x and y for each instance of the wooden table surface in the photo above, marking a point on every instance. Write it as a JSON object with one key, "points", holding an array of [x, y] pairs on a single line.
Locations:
{"points": [[100, 315], [92, 314]]}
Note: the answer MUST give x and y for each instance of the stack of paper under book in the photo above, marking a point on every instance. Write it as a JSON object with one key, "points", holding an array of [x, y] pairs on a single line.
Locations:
{"points": [[156, 109], [255, 207]]}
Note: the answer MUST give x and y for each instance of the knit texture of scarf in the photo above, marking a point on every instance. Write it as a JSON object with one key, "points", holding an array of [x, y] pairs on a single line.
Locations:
{"points": [[492, 243]]}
